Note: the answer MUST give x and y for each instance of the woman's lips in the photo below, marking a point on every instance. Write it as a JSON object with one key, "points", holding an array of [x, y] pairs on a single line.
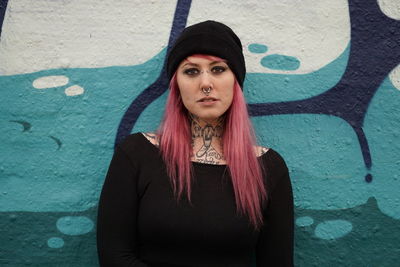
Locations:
{"points": [[207, 99]]}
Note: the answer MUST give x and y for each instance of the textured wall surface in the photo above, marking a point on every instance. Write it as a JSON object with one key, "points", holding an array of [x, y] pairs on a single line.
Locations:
{"points": [[323, 87]]}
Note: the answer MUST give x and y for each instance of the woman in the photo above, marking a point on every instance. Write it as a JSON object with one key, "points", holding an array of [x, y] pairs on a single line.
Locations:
{"points": [[199, 192]]}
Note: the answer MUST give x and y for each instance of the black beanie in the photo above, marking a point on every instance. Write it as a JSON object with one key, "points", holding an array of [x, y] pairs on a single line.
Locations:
{"points": [[211, 38]]}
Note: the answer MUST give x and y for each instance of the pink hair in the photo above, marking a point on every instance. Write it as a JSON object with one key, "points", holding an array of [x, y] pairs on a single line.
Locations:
{"points": [[174, 129], [238, 143]]}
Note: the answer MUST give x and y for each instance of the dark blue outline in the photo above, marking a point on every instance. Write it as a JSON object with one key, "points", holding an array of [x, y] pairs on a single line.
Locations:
{"points": [[374, 52], [156, 89], [3, 8]]}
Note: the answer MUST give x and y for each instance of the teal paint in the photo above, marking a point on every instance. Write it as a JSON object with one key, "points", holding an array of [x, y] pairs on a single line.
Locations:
{"points": [[25, 238], [381, 126], [151, 117], [55, 242], [304, 221], [280, 62], [333, 229], [373, 240], [268, 87], [64, 131], [71, 225], [257, 48], [298, 138], [26, 125], [313, 152], [71, 138]]}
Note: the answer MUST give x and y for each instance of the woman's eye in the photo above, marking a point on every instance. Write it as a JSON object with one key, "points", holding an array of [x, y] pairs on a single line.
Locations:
{"points": [[218, 69], [191, 71]]}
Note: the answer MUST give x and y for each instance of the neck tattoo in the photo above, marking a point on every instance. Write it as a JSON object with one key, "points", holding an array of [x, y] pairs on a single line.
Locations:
{"points": [[206, 137]]}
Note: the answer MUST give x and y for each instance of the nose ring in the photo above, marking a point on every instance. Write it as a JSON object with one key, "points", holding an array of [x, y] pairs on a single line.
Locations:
{"points": [[206, 91]]}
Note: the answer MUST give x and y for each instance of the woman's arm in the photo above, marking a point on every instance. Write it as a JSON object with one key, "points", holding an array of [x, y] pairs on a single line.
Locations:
{"points": [[116, 221], [275, 244]]}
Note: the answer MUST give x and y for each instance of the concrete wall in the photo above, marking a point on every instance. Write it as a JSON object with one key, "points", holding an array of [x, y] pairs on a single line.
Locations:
{"points": [[323, 87]]}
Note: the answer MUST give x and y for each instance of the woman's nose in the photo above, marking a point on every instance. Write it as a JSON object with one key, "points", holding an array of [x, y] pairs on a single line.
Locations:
{"points": [[206, 79]]}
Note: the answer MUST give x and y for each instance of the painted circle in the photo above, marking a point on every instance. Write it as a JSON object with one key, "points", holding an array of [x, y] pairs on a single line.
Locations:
{"points": [[257, 48], [394, 77], [304, 221], [280, 62], [74, 225], [333, 229], [390, 8], [50, 82], [55, 242], [74, 90]]}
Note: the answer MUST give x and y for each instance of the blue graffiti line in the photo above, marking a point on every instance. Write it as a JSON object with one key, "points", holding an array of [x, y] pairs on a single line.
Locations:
{"points": [[156, 89], [374, 52], [3, 7]]}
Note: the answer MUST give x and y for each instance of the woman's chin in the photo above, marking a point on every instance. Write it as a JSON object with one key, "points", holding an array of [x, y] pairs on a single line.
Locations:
{"points": [[209, 117]]}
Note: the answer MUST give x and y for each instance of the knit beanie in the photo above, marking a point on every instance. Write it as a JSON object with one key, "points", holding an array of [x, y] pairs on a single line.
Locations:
{"points": [[211, 38]]}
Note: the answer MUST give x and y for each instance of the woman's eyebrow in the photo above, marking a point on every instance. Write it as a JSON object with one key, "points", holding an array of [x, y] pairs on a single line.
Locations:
{"points": [[217, 62], [196, 65], [190, 63]]}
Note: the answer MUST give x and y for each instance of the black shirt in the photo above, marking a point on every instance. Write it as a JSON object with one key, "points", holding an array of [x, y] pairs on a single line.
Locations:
{"points": [[140, 222]]}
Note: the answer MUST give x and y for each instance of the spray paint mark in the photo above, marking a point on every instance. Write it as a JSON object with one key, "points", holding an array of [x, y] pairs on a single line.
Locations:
{"points": [[333, 229], [280, 62], [258, 48], [74, 90], [304, 221], [55, 242], [58, 141], [50, 82], [3, 7], [74, 225], [26, 125]]}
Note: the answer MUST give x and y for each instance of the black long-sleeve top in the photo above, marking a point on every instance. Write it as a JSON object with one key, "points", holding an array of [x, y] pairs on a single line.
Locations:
{"points": [[140, 222]]}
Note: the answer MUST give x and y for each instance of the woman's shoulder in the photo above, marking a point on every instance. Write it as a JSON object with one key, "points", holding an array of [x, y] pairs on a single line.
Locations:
{"points": [[137, 147], [273, 160], [269, 154], [275, 168], [152, 138], [138, 140], [260, 150]]}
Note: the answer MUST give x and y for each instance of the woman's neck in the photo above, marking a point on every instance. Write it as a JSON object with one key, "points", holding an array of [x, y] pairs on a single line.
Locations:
{"points": [[207, 140]]}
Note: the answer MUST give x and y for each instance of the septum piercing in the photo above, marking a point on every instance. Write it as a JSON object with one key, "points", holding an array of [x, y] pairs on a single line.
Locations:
{"points": [[206, 91]]}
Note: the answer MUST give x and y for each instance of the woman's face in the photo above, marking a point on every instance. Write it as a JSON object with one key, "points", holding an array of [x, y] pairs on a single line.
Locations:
{"points": [[196, 73]]}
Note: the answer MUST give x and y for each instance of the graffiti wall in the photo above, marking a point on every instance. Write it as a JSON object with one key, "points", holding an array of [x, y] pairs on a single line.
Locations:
{"points": [[323, 87]]}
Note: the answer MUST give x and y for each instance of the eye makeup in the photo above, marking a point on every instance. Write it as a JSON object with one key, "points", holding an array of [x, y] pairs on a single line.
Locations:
{"points": [[191, 71]]}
